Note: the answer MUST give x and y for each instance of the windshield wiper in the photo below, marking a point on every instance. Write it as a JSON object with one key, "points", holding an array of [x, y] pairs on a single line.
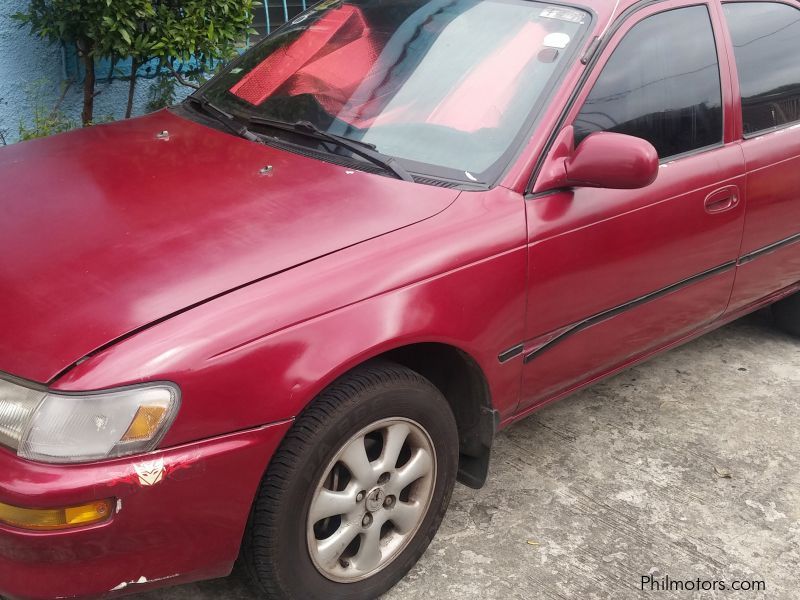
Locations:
{"points": [[363, 149], [226, 119]]}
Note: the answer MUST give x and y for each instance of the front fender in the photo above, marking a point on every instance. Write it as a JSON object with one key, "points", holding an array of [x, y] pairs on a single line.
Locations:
{"points": [[262, 353]]}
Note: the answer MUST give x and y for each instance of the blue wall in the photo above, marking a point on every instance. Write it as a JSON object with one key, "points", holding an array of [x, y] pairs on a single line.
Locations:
{"points": [[26, 61]]}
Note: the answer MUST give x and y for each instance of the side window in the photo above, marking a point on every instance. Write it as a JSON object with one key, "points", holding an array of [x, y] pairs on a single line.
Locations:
{"points": [[662, 84], [766, 42]]}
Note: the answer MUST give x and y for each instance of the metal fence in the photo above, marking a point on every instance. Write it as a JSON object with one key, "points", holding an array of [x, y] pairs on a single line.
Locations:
{"points": [[271, 14]]}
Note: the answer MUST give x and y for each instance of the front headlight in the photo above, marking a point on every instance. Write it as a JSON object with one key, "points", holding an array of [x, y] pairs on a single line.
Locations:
{"points": [[59, 427]]}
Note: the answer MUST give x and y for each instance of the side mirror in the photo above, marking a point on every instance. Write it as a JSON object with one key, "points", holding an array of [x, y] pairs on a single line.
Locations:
{"points": [[614, 161], [602, 160]]}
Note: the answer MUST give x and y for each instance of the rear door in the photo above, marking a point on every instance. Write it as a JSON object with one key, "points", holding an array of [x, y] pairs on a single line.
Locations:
{"points": [[765, 40], [615, 274]]}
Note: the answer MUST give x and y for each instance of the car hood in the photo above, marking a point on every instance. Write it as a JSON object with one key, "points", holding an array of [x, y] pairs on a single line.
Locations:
{"points": [[106, 230]]}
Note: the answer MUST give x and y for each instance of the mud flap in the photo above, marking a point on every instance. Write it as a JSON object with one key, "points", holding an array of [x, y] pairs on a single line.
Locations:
{"points": [[473, 468]]}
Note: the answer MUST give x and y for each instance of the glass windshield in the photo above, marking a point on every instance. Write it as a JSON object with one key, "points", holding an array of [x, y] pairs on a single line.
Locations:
{"points": [[448, 83]]}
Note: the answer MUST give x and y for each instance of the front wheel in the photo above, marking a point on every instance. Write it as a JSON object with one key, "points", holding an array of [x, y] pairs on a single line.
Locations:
{"points": [[356, 491]]}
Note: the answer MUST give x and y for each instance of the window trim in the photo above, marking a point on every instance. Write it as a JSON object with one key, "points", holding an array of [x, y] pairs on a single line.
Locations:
{"points": [[765, 132], [691, 153], [735, 71], [625, 21]]}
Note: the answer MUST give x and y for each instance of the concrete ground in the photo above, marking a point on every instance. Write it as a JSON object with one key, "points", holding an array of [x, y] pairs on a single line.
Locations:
{"points": [[687, 466]]}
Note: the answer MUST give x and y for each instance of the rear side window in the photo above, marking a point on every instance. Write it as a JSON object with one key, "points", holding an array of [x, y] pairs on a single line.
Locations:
{"points": [[661, 84], [766, 42]]}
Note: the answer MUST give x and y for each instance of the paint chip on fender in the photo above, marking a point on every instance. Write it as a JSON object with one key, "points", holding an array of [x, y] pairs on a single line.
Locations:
{"points": [[140, 581], [151, 472]]}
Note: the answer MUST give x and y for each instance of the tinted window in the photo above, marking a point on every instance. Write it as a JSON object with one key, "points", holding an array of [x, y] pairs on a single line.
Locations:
{"points": [[662, 84], [766, 42]]}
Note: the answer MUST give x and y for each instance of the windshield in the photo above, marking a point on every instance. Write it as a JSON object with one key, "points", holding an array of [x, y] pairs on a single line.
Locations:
{"points": [[444, 83]]}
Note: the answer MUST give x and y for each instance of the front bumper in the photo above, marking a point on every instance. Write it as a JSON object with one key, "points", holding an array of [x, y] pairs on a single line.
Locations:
{"points": [[183, 526]]}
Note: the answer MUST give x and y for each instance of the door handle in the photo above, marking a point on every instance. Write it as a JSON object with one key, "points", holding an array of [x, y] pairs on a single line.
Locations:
{"points": [[726, 198]]}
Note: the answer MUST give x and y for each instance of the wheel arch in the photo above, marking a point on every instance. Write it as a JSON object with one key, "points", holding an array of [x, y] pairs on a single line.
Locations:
{"points": [[462, 382]]}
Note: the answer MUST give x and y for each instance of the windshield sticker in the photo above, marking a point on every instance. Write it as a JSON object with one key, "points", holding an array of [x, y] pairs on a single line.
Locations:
{"points": [[556, 40], [563, 14]]}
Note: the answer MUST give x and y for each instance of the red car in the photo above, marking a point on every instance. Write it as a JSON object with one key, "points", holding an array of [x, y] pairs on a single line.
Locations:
{"points": [[275, 324]]}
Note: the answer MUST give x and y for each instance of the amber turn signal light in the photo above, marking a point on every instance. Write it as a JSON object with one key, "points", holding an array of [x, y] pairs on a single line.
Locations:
{"points": [[52, 519], [145, 423]]}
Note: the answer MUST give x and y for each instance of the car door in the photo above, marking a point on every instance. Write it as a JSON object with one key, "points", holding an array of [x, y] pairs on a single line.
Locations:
{"points": [[765, 41], [615, 274]]}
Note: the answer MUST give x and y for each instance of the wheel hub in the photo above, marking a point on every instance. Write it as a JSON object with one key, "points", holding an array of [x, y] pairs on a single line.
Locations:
{"points": [[375, 499]]}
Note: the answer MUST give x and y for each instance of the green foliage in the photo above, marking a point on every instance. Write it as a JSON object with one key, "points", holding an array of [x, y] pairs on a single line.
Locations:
{"points": [[70, 21], [205, 29], [128, 29], [45, 123], [176, 32], [162, 93], [168, 29], [86, 25], [46, 120], [200, 32], [192, 38]]}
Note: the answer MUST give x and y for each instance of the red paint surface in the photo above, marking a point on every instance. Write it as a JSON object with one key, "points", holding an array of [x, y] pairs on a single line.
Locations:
{"points": [[126, 228], [186, 527], [608, 160], [773, 213], [180, 262]]}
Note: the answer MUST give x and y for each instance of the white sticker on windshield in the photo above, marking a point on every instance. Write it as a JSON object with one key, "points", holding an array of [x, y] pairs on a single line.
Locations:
{"points": [[556, 40], [563, 14]]}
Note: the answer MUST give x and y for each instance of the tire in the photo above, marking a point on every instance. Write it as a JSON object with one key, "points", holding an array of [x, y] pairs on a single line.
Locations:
{"points": [[787, 314], [285, 557]]}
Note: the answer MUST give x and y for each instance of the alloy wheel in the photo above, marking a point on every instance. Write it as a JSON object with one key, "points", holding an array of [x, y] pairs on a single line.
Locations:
{"points": [[371, 500]]}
